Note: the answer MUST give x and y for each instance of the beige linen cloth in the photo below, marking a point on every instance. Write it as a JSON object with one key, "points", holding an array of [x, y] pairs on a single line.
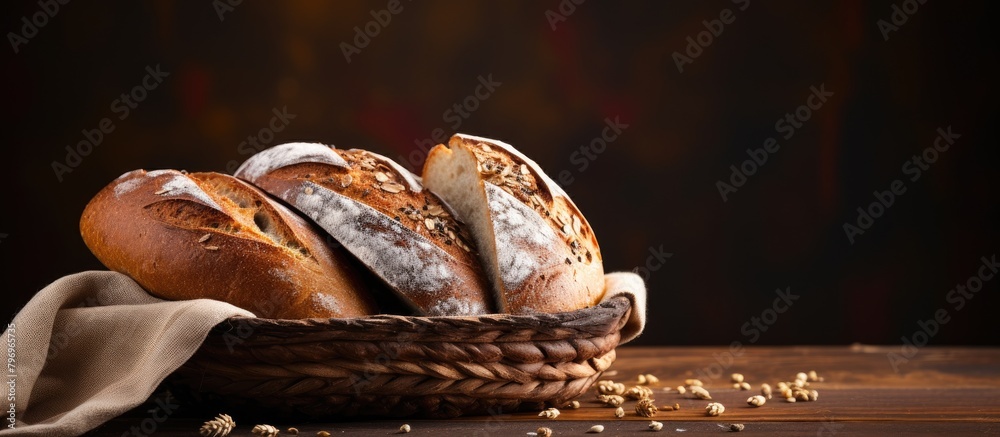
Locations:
{"points": [[94, 345]]}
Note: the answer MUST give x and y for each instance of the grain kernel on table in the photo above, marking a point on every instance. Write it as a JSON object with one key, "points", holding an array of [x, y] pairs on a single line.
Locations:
{"points": [[220, 426], [611, 400], [714, 409], [765, 390], [549, 413], [608, 387], [645, 407], [638, 392], [700, 393], [265, 430]]}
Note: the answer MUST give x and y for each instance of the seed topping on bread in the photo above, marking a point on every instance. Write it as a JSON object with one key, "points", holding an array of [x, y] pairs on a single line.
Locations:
{"points": [[512, 174]]}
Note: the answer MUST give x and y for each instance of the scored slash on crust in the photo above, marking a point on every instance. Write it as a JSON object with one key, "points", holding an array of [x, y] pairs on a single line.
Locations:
{"points": [[380, 213], [538, 250]]}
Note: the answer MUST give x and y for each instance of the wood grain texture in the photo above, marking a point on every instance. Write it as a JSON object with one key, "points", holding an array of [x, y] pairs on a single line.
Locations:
{"points": [[937, 391]]}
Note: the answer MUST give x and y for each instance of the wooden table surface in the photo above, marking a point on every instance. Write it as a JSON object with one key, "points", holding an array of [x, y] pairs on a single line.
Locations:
{"points": [[937, 390]]}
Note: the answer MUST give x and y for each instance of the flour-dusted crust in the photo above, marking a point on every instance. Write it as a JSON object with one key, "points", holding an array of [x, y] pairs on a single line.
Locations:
{"points": [[295, 153], [380, 213], [208, 235], [537, 247]]}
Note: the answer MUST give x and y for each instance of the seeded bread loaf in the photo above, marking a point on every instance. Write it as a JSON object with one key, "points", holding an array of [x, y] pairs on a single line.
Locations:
{"points": [[536, 246], [380, 212], [209, 235]]}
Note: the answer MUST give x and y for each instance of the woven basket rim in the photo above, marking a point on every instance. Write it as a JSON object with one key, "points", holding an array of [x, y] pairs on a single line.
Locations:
{"points": [[607, 316], [610, 303], [384, 365]]}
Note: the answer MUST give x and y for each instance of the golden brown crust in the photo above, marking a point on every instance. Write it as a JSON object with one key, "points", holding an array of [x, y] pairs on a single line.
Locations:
{"points": [[208, 235], [372, 180], [374, 208], [562, 274], [512, 174]]}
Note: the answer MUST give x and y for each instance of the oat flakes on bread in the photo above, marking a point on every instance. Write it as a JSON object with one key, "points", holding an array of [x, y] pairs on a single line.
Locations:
{"points": [[537, 248]]}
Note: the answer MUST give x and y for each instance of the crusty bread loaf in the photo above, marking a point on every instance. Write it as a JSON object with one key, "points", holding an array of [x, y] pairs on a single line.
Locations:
{"points": [[380, 212], [536, 246], [209, 235]]}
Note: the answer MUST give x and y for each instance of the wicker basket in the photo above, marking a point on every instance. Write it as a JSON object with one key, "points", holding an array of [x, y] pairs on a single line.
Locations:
{"points": [[406, 366]]}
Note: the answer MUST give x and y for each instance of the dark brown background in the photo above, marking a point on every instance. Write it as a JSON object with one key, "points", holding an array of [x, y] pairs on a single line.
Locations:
{"points": [[653, 187]]}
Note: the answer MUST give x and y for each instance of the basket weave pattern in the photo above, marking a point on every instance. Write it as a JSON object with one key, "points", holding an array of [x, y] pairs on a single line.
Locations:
{"points": [[408, 366]]}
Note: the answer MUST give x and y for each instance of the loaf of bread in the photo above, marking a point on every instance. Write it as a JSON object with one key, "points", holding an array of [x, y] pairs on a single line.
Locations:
{"points": [[209, 235], [536, 246], [380, 213]]}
